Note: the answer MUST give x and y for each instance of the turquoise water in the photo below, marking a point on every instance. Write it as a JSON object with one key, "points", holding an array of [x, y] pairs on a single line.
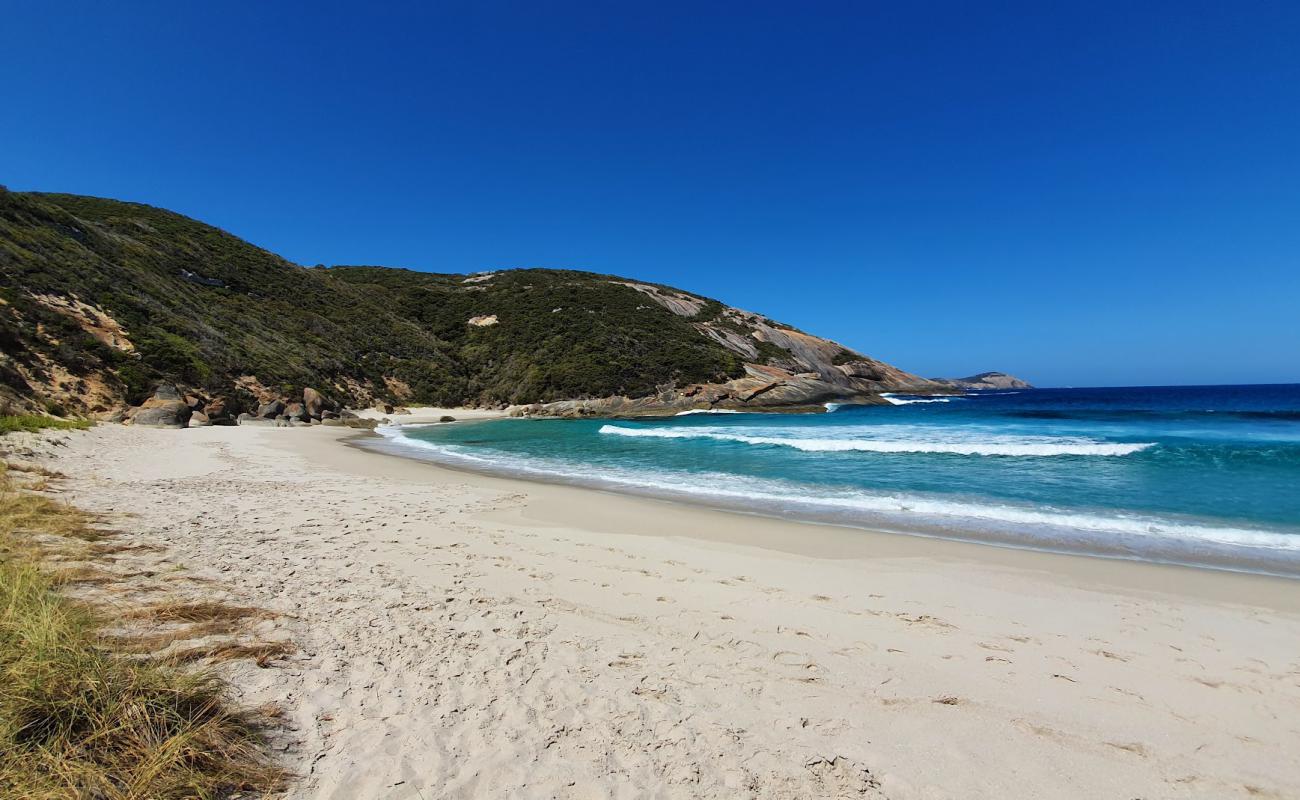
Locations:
{"points": [[1198, 475]]}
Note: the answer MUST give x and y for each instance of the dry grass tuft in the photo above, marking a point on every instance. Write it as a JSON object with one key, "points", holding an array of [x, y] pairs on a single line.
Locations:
{"points": [[161, 640], [115, 548], [203, 611], [79, 719], [33, 469], [262, 653], [91, 576]]}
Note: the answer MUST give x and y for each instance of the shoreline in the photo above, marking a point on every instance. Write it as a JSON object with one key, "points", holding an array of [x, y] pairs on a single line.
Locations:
{"points": [[1228, 562], [461, 635]]}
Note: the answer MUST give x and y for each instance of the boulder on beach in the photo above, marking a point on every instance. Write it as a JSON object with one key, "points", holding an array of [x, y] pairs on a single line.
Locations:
{"points": [[297, 412], [271, 409], [216, 409], [313, 402], [165, 409], [199, 420], [445, 418], [118, 415]]}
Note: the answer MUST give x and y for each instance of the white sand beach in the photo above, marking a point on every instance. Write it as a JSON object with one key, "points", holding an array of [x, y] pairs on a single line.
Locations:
{"points": [[467, 636]]}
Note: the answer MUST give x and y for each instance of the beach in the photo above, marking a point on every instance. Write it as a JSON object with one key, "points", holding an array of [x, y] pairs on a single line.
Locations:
{"points": [[464, 635]]}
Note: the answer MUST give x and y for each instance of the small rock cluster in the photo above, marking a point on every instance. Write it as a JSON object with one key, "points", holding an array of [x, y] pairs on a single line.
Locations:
{"points": [[169, 408]]}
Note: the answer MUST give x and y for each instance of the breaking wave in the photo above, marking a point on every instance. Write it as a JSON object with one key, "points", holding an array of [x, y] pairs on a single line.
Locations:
{"points": [[1121, 534], [1024, 447], [894, 399]]}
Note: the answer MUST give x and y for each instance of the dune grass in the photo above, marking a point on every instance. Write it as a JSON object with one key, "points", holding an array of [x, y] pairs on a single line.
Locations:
{"points": [[11, 423], [80, 719]]}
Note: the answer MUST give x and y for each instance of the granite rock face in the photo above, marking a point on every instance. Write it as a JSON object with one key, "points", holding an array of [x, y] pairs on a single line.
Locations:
{"points": [[763, 388], [985, 381]]}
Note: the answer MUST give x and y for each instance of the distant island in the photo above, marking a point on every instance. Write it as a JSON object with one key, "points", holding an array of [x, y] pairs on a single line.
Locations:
{"points": [[985, 381], [104, 300]]}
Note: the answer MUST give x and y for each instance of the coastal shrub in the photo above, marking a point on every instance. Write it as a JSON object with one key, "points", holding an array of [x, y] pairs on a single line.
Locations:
{"points": [[80, 720], [31, 423]]}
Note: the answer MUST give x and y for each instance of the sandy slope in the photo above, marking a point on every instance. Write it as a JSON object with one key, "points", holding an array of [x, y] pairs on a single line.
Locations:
{"points": [[465, 636]]}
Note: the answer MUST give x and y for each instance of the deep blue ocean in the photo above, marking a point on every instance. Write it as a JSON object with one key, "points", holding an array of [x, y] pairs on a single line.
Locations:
{"points": [[1197, 475]]}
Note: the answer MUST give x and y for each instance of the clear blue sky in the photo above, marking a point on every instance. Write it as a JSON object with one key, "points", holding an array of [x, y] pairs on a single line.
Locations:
{"points": [[1103, 194]]}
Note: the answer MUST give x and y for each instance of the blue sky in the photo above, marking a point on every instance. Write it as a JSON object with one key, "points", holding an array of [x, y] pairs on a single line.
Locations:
{"points": [[1098, 195]]}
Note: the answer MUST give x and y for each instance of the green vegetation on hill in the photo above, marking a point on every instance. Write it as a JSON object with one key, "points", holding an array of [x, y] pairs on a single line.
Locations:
{"points": [[560, 334], [191, 304]]}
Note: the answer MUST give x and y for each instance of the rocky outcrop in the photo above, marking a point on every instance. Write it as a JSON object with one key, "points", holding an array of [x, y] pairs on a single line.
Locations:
{"points": [[165, 409], [763, 388], [985, 381]]}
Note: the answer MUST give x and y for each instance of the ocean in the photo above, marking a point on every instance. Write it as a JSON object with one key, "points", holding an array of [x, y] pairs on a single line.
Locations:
{"points": [[1206, 476]]}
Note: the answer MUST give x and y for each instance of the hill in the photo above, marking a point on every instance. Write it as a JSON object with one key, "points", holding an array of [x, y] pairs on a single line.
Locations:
{"points": [[102, 300]]}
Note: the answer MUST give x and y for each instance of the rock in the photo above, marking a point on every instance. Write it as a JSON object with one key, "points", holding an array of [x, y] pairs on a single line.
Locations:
{"points": [[387, 408], [199, 420], [328, 414], [216, 409], [165, 409], [333, 421], [282, 421], [313, 402], [173, 414], [249, 419], [270, 410], [166, 392], [297, 412], [446, 419], [400, 410], [345, 414], [118, 415], [195, 402]]}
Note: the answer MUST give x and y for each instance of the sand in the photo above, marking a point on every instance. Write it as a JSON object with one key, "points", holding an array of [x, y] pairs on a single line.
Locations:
{"points": [[461, 635]]}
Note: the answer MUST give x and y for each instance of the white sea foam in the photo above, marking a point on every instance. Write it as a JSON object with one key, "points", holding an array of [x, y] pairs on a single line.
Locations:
{"points": [[833, 407], [780, 497], [993, 446], [707, 411], [907, 401]]}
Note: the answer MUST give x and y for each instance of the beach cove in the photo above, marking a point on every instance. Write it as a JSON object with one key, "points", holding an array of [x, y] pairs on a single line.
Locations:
{"points": [[459, 635]]}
